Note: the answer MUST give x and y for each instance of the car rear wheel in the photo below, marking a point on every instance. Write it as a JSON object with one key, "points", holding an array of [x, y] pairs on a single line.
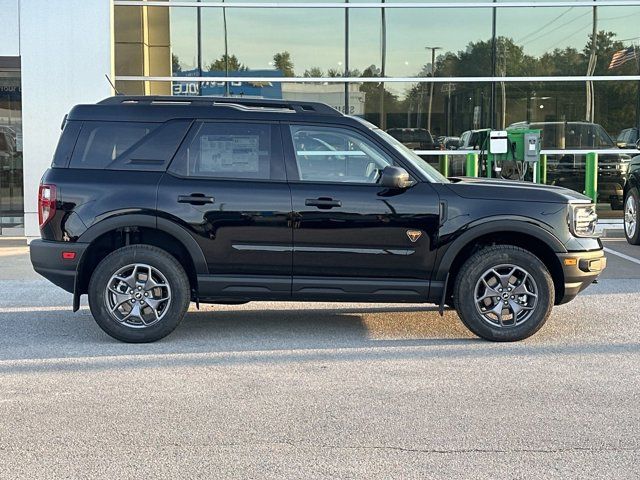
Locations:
{"points": [[632, 217], [503, 293], [139, 294]]}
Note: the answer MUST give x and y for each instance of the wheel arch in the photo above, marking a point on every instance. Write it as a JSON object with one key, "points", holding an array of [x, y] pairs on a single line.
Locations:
{"points": [[531, 237], [632, 182], [115, 232]]}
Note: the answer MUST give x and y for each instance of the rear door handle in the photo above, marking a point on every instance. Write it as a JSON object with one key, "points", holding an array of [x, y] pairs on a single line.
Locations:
{"points": [[322, 202], [195, 199]]}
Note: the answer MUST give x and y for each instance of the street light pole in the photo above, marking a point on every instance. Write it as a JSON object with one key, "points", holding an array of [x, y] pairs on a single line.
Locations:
{"points": [[433, 74]]}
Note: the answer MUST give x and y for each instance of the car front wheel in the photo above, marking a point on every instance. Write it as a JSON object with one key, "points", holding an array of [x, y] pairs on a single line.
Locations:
{"points": [[503, 293], [632, 217], [139, 294]]}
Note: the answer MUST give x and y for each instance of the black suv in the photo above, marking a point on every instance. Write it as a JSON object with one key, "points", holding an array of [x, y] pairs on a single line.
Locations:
{"points": [[154, 202], [632, 203]]}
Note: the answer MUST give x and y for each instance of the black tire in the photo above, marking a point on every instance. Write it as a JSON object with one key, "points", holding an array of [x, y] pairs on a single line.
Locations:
{"points": [[179, 292], [633, 239], [475, 268]]}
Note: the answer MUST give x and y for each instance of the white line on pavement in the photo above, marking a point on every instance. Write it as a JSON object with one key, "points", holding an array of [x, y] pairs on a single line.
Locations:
{"points": [[36, 308], [622, 255]]}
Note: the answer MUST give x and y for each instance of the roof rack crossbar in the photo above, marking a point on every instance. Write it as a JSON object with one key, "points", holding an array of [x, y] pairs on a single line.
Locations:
{"points": [[256, 104]]}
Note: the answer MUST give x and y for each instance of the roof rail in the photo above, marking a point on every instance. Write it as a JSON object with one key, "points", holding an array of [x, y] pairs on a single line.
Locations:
{"points": [[241, 103]]}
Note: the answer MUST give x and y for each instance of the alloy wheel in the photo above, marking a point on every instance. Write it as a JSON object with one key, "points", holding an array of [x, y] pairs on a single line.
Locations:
{"points": [[506, 296], [630, 217], [138, 296]]}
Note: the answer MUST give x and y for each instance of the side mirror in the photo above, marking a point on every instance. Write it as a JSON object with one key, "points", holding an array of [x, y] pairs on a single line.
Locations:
{"points": [[395, 177]]}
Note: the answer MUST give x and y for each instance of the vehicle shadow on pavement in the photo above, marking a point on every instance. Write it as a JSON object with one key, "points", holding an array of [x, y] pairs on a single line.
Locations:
{"points": [[59, 340]]}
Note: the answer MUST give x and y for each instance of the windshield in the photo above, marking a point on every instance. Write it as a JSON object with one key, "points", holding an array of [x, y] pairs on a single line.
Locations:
{"points": [[573, 135], [410, 135], [431, 173]]}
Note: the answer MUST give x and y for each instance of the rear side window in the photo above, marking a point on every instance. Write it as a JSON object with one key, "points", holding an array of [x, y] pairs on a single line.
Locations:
{"points": [[66, 143], [231, 150], [128, 145], [155, 150]]}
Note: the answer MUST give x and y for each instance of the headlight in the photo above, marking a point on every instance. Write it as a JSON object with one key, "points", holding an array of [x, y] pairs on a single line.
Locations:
{"points": [[623, 166], [583, 220]]}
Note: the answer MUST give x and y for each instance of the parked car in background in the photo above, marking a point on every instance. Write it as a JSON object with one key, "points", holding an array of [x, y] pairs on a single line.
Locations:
{"points": [[7, 141], [628, 138], [568, 170], [474, 139], [448, 143], [414, 138], [632, 203]]}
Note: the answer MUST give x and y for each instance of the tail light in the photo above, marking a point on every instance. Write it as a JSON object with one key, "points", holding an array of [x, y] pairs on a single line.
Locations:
{"points": [[46, 203]]}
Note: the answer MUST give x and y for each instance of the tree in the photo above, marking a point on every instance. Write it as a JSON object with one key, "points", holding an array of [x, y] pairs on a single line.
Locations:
{"points": [[227, 63], [175, 63], [615, 101], [380, 104], [282, 61], [313, 72]]}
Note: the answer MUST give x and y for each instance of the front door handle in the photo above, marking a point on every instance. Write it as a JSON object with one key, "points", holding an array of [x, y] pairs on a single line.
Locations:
{"points": [[195, 199], [322, 202]]}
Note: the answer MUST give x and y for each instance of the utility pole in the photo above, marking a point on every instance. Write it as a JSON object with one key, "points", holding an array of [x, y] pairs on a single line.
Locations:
{"points": [[492, 104], [383, 66], [199, 33], [433, 74], [346, 58], [592, 67], [636, 52], [227, 90]]}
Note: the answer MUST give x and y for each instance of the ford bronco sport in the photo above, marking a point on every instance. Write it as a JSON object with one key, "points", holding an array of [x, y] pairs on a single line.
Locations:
{"points": [[155, 202]]}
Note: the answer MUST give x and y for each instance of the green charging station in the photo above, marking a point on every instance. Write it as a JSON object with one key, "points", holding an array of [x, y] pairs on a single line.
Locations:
{"points": [[517, 148]]}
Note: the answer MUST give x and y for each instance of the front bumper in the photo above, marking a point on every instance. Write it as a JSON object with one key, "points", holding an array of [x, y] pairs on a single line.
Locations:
{"points": [[47, 259], [580, 270]]}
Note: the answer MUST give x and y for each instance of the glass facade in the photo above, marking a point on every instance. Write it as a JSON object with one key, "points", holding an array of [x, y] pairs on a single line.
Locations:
{"points": [[492, 66], [11, 189]]}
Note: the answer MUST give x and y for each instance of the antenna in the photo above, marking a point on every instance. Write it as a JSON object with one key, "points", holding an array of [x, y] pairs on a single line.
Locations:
{"points": [[112, 85]]}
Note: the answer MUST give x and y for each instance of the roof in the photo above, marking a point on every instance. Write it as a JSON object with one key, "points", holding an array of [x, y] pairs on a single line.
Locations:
{"points": [[163, 108]]}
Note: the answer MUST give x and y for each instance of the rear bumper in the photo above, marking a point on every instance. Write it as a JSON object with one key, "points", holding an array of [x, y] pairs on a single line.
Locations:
{"points": [[47, 260], [580, 270]]}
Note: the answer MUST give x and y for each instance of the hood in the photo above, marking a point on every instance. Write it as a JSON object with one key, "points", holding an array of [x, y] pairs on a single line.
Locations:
{"points": [[495, 189]]}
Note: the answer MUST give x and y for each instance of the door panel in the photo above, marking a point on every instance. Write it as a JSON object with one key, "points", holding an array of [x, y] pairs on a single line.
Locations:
{"points": [[227, 186], [242, 228], [351, 236], [367, 235]]}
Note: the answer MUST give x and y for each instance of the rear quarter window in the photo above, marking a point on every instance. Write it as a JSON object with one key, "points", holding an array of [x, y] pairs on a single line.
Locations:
{"points": [[66, 143], [128, 145]]}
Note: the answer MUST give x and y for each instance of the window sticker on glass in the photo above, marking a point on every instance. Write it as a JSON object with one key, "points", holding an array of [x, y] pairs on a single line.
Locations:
{"points": [[226, 153]]}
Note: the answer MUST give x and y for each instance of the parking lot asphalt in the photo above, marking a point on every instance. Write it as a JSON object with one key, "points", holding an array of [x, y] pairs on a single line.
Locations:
{"points": [[284, 390]]}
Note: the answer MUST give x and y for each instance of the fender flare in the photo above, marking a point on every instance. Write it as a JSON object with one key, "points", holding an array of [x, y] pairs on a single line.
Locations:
{"points": [[632, 182], [178, 232], [512, 224]]}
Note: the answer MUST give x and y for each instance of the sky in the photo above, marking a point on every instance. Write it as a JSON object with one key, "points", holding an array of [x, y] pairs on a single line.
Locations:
{"points": [[315, 37]]}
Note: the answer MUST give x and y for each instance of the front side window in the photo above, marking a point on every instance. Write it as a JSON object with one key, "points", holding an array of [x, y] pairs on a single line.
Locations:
{"points": [[229, 150], [331, 154]]}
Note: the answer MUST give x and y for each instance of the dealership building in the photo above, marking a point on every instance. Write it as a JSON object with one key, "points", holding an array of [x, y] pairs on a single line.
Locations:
{"points": [[570, 68]]}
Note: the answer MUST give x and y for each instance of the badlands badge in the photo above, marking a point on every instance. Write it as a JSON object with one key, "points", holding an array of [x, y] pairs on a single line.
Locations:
{"points": [[414, 235]]}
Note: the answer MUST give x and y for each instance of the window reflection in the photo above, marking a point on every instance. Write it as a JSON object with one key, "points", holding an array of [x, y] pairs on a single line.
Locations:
{"points": [[557, 40], [462, 42], [451, 43], [11, 190]]}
